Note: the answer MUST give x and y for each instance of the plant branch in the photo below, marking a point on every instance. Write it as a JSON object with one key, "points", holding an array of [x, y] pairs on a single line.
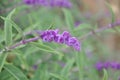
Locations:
{"points": [[22, 42], [112, 25]]}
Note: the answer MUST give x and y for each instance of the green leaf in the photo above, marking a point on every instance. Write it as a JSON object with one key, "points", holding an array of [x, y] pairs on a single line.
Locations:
{"points": [[80, 63], [46, 48], [82, 29], [111, 10], [105, 77], [3, 57], [113, 16], [17, 73], [69, 19], [4, 75], [66, 69], [41, 73], [57, 76], [1, 35], [51, 26], [82, 26], [8, 29], [13, 24], [21, 58]]}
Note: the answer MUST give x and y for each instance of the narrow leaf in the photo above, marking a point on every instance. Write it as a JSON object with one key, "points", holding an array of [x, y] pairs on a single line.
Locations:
{"points": [[57, 76], [105, 77], [15, 72], [3, 57], [4, 75], [46, 48], [41, 73], [111, 10], [66, 69], [69, 19], [83, 26], [8, 29], [13, 24]]}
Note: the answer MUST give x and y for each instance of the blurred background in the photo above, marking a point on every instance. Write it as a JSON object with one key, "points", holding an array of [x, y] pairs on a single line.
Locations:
{"points": [[95, 12], [103, 46]]}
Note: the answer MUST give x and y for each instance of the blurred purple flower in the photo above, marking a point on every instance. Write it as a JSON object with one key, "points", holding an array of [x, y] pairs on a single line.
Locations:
{"points": [[64, 38], [49, 3], [99, 66], [29, 2], [115, 65], [119, 78], [35, 67], [106, 65], [77, 23]]}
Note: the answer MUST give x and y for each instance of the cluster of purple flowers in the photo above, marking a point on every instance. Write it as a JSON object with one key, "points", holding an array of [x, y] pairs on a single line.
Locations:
{"points": [[64, 38], [49, 3], [106, 65]]}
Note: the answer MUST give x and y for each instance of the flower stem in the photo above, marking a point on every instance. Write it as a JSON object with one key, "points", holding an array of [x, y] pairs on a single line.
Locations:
{"points": [[112, 25], [22, 42]]}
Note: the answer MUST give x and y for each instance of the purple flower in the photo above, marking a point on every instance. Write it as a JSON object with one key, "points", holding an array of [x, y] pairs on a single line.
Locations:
{"points": [[106, 65], [77, 23], [72, 41], [119, 78], [29, 2], [59, 39], [49, 3], [99, 66], [115, 65], [66, 35], [64, 38]]}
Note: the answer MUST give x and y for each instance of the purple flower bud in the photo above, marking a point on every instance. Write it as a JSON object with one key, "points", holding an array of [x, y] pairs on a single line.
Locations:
{"points": [[49, 3], [42, 2], [59, 39], [99, 66], [65, 37], [77, 23], [60, 3], [66, 34], [71, 41], [29, 2], [106, 65], [46, 36], [115, 65], [77, 46]]}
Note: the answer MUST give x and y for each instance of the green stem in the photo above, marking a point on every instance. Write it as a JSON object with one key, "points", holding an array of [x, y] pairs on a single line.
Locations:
{"points": [[79, 62]]}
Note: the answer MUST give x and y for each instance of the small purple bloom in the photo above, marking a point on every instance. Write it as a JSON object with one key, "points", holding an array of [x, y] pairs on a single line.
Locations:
{"points": [[65, 37], [72, 41], [29, 2], [59, 39], [99, 66], [77, 23], [115, 65], [49, 3], [106, 65], [119, 78], [77, 46]]}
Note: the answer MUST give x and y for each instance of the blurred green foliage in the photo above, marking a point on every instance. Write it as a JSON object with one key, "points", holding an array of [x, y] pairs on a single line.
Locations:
{"points": [[35, 61]]}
